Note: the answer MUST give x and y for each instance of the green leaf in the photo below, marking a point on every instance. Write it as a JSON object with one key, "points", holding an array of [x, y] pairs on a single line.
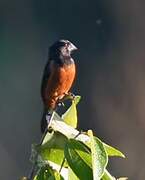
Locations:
{"points": [[71, 175], [70, 116], [111, 151], [47, 173], [99, 156], [48, 137], [78, 157], [56, 117], [107, 176], [65, 129], [53, 148]]}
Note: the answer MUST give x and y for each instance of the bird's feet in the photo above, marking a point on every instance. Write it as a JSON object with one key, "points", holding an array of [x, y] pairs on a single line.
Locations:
{"points": [[69, 95], [66, 96]]}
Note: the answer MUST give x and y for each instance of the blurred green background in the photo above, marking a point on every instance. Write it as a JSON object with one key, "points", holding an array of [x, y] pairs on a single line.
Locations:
{"points": [[110, 62]]}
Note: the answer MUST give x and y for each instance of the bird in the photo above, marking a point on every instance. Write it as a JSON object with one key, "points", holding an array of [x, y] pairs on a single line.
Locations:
{"points": [[58, 77]]}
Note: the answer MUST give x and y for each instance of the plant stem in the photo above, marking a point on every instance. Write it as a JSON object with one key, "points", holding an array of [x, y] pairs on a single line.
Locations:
{"points": [[33, 169], [62, 164]]}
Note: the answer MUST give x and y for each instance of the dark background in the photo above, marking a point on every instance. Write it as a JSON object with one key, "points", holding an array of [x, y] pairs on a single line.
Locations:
{"points": [[110, 36]]}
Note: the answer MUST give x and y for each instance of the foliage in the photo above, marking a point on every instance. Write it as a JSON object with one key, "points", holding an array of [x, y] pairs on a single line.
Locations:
{"points": [[66, 153]]}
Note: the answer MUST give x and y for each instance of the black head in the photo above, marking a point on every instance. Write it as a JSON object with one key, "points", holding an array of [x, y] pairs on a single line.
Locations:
{"points": [[61, 49]]}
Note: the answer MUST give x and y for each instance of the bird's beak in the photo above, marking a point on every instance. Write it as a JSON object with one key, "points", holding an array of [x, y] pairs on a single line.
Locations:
{"points": [[72, 47]]}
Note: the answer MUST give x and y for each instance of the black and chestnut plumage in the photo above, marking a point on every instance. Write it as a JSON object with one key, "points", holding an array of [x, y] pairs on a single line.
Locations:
{"points": [[58, 77]]}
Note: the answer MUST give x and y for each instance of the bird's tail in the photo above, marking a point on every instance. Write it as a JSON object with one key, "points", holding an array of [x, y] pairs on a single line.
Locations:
{"points": [[45, 120]]}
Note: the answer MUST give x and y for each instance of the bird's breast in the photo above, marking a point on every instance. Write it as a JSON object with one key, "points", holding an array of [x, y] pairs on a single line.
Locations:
{"points": [[59, 83], [66, 75]]}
